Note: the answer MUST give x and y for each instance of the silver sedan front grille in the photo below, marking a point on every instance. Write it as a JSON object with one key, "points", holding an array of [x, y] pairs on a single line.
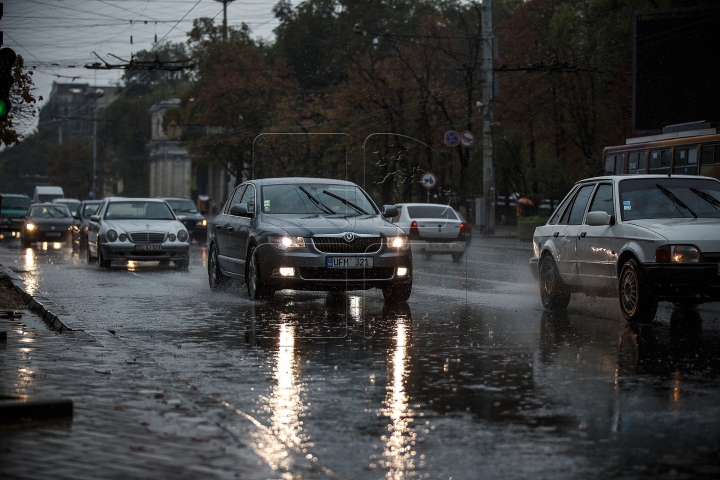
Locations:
{"points": [[147, 237]]}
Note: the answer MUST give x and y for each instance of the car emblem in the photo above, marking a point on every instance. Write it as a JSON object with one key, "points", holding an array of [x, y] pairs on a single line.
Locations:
{"points": [[349, 236], [52, 228]]}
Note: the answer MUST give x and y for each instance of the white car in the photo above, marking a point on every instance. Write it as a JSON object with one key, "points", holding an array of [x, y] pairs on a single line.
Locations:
{"points": [[644, 238], [434, 229], [144, 229]]}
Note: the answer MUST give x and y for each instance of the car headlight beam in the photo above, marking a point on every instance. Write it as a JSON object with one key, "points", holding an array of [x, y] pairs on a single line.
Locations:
{"points": [[30, 227], [283, 243], [399, 242]]}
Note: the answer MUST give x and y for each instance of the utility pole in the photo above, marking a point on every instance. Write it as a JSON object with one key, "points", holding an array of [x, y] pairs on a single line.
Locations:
{"points": [[224, 2], [487, 116]]}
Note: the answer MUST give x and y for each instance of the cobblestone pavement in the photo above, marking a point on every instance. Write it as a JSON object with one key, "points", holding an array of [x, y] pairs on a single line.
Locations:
{"points": [[132, 419]]}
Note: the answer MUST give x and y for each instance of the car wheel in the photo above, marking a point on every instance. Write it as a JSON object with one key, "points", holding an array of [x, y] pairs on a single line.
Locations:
{"points": [[215, 277], [553, 292], [102, 263], [183, 264], [255, 286], [637, 303], [457, 256], [397, 293]]}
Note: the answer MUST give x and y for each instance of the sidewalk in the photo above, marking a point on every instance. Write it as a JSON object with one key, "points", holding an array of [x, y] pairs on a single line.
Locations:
{"points": [[131, 418]]}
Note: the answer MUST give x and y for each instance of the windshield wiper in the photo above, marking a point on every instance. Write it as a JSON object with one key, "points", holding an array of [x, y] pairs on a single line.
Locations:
{"points": [[317, 202], [707, 197], [59, 211], [675, 199], [346, 202]]}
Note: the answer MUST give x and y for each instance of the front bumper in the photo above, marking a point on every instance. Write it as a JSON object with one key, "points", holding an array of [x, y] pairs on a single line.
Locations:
{"points": [[694, 282], [11, 224], [126, 251], [312, 273]]}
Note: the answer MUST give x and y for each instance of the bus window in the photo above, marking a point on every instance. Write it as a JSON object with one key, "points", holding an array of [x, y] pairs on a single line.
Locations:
{"points": [[710, 161], [620, 164], [614, 164], [660, 161], [685, 161], [637, 162]]}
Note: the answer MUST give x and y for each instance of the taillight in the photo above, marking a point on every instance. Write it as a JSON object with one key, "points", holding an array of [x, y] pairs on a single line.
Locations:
{"points": [[414, 228], [464, 228], [662, 254]]}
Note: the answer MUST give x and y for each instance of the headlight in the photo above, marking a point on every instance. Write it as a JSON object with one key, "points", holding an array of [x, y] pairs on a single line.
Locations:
{"points": [[283, 243], [398, 242], [171, 237], [30, 227], [182, 236], [678, 254], [122, 237], [111, 235], [202, 223]]}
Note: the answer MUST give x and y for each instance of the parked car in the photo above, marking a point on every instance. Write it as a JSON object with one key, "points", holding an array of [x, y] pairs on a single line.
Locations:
{"points": [[14, 209], [434, 229], [72, 203], [47, 222], [82, 218], [144, 229], [645, 238], [308, 234], [187, 212]]}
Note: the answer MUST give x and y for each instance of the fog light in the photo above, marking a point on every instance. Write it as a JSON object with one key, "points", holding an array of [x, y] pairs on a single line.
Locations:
{"points": [[287, 271], [402, 271]]}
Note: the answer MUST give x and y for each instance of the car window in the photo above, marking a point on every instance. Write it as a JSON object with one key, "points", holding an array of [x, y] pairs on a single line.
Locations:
{"points": [[574, 214], [91, 209], [561, 209], [132, 210], [54, 211], [249, 198], [603, 200], [316, 199], [667, 197], [234, 198], [183, 205], [432, 211]]}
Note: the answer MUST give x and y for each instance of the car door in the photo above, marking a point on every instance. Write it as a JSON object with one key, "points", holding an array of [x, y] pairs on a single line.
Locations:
{"points": [[569, 229], [239, 230], [597, 245], [222, 225]]}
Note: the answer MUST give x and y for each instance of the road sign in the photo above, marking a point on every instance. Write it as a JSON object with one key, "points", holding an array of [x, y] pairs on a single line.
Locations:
{"points": [[428, 180], [467, 139], [451, 138]]}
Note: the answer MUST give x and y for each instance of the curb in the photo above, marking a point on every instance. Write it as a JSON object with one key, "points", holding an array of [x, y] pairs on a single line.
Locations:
{"points": [[51, 320]]}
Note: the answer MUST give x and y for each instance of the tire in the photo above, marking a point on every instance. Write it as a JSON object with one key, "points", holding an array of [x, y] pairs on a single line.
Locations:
{"points": [[102, 263], [216, 280], [456, 257], [553, 292], [397, 293], [183, 264], [637, 303], [255, 286]]}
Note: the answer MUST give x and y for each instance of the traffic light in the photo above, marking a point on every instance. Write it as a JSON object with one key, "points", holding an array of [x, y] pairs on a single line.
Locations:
{"points": [[7, 60]]}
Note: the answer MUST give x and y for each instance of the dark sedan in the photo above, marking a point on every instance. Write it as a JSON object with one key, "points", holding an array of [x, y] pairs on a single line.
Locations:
{"points": [[308, 234], [188, 214], [47, 222], [82, 218]]}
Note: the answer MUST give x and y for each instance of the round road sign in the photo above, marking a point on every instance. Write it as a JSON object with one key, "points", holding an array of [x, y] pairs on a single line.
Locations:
{"points": [[451, 138], [428, 180], [467, 139]]}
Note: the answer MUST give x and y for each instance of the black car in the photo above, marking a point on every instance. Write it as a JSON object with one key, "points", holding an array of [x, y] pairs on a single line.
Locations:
{"points": [[82, 218], [194, 221], [47, 222], [308, 234]]}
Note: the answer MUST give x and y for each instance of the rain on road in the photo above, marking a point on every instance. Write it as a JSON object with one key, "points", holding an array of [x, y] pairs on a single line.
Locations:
{"points": [[471, 378]]}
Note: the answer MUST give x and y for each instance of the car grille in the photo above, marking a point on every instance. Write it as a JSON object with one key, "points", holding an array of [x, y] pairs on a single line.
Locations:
{"points": [[384, 273], [147, 237], [339, 245]]}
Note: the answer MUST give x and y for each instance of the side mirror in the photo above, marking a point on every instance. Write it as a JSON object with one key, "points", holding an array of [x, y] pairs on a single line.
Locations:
{"points": [[94, 218], [598, 219], [240, 210], [389, 211]]}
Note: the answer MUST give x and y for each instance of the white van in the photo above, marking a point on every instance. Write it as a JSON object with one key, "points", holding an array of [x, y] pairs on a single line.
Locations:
{"points": [[47, 194]]}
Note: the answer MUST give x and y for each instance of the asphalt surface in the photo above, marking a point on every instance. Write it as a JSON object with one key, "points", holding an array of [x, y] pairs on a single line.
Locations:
{"points": [[471, 378]]}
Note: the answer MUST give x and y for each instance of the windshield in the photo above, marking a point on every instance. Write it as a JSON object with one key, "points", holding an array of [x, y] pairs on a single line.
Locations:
{"points": [[47, 197], [90, 209], [138, 210], [55, 211], [432, 211], [669, 198], [14, 203], [316, 199], [71, 204], [182, 206]]}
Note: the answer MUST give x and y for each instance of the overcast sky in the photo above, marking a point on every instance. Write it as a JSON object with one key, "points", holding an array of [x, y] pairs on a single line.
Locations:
{"points": [[59, 36]]}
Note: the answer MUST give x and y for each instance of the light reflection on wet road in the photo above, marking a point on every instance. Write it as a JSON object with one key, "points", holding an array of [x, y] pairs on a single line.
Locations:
{"points": [[470, 378]]}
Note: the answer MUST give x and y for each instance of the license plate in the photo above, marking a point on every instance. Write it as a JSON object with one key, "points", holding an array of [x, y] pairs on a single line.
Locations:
{"points": [[349, 262], [52, 234], [153, 247]]}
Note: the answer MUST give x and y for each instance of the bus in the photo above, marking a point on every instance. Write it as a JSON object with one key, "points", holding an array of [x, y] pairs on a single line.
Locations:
{"points": [[684, 149]]}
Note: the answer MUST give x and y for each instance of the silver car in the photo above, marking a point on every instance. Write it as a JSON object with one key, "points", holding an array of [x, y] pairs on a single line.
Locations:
{"points": [[144, 229], [433, 229], [643, 238]]}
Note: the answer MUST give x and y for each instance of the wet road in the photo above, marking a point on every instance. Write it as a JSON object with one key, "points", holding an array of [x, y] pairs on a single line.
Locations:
{"points": [[471, 378]]}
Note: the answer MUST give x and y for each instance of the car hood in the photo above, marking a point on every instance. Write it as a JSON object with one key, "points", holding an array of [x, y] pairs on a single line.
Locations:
{"points": [[143, 225], [703, 232], [41, 221], [318, 225]]}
